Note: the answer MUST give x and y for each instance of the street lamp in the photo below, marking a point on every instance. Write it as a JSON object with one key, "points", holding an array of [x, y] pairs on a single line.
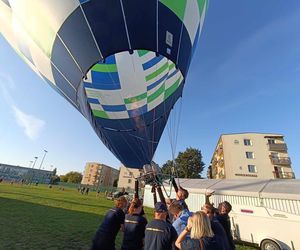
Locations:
{"points": [[33, 168], [45, 152], [35, 161], [30, 163]]}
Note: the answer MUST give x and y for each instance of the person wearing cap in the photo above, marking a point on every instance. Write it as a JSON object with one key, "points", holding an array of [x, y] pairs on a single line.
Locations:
{"points": [[108, 230], [224, 219], [134, 227], [159, 234]]}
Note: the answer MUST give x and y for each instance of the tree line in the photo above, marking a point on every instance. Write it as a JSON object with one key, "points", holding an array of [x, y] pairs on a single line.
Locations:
{"points": [[72, 177], [187, 164]]}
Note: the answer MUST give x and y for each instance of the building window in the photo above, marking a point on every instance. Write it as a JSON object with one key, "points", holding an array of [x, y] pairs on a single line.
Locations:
{"points": [[271, 141], [250, 155], [236, 141], [247, 142], [252, 169], [129, 180]]}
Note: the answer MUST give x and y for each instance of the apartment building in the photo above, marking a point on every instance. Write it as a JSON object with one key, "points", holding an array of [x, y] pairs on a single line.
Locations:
{"points": [[99, 174], [127, 177], [251, 155]]}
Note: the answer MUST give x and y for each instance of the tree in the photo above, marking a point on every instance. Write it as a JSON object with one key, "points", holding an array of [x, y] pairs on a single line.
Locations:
{"points": [[167, 167], [188, 164], [74, 177], [63, 178]]}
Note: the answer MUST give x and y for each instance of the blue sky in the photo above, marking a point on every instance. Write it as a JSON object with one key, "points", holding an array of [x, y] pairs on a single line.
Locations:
{"points": [[244, 78]]}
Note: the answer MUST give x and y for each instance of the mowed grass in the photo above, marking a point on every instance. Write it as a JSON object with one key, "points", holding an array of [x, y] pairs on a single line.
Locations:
{"points": [[37, 217]]}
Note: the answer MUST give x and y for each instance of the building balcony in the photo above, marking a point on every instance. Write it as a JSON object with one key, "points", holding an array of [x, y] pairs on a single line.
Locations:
{"points": [[221, 162], [283, 175], [221, 175], [220, 150], [127, 176], [286, 161], [278, 147]]}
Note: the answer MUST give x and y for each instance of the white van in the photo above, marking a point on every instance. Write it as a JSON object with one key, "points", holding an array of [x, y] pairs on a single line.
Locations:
{"points": [[264, 212]]}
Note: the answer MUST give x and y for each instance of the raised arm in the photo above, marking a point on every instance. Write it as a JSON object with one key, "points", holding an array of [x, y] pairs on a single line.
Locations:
{"points": [[183, 234]]}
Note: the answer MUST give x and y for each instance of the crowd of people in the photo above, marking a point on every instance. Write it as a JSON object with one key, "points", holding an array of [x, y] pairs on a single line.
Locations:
{"points": [[83, 190], [173, 226]]}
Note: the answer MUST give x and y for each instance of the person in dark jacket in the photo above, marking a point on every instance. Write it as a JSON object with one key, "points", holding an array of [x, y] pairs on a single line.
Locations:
{"points": [[159, 234], [134, 227], [201, 234], [224, 219], [108, 230], [216, 227]]}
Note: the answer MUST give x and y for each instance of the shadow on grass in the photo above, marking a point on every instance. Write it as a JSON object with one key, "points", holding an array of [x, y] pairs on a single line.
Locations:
{"points": [[25, 225]]}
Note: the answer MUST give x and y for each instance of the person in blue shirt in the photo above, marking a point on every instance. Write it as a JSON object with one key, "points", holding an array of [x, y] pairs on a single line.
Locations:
{"points": [[108, 230], [202, 236], [180, 216], [134, 227], [159, 234]]}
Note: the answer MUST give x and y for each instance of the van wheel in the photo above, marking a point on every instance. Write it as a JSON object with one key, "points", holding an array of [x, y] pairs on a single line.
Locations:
{"points": [[269, 245]]}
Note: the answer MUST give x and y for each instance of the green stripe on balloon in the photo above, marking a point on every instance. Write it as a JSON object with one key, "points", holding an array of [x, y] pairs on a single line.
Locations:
{"points": [[100, 113], [201, 4], [157, 72], [156, 94], [177, 6], [107, 68], [135, 98], [169, 91], [171, 66], [142, 52]]}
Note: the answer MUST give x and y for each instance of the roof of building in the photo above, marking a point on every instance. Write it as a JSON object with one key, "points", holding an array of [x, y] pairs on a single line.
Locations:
{"points": [[275, 188], [21, 167], [257, 133]]}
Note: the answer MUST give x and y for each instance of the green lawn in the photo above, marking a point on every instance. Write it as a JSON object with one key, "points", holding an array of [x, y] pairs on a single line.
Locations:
{"points": [[42, 218]]}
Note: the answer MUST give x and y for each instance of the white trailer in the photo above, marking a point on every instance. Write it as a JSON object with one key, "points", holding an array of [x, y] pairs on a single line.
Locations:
{"points": [[264, 212]]}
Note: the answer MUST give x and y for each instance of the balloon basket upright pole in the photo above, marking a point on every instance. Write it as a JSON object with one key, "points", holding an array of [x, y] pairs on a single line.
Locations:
{"points": [[174, 185], [153, 191], [154, 177], [136, 189]]}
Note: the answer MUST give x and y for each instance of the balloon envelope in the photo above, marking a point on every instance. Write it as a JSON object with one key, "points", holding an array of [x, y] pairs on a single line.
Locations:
{"points": [[122, 64]]}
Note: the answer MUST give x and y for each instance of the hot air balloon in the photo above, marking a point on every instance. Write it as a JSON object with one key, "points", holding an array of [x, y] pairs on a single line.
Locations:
{"points": [[121, 63]]}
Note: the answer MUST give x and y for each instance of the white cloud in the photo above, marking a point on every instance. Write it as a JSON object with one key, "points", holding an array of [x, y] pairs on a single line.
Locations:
{"points": [[31, 125]]}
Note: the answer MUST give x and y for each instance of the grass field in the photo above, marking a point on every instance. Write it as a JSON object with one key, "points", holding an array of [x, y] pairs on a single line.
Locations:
{"points": [[41, 218]]}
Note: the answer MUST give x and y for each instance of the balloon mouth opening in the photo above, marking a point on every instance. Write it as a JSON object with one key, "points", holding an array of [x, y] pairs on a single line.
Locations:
{"points": [[130, 84]]}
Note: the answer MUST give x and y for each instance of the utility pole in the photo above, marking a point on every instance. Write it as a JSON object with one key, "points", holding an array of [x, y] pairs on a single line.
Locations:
{"points": [[45, 152], [33, 168], [34, 161], [30, 163]]}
